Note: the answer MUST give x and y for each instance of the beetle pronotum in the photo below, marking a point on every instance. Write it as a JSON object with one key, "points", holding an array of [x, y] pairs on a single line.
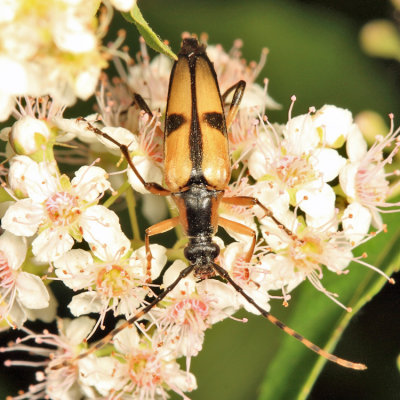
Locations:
{"points": [[197, 176]]}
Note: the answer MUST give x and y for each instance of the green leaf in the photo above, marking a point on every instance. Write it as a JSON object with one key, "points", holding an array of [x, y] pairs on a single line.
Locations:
{"points": [[323, 322], [151, 38]]}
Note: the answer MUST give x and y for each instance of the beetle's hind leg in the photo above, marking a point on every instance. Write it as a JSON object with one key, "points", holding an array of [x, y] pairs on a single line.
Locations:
{"points": [[236, 100], [344, 363], [247, 201]]}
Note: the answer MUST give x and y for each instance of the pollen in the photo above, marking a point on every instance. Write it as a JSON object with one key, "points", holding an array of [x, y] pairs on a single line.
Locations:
{"points": [[62, 208], [306, 253], [113, 281], [189, 309], [144, 369], [295, 170]]}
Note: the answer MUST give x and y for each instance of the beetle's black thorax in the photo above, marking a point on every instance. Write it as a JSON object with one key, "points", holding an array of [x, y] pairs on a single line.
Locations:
{"points": [[198, 207]]}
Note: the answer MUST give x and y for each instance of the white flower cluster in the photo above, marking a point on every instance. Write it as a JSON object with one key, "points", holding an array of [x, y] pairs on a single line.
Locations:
{"points": [[315, 173], [52, 48]]}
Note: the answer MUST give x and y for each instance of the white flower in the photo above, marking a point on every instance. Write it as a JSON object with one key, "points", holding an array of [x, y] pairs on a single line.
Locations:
{"points": [[60, 210], [19, 166], [148, 170], [334, 124], [296, 163], [150, 79], [50, 50], [364, 181], [123, 5], [301, 255], [231, 68], [247, 275], [116, 279], [149, 368], [191, 308], [28, 135], [16, 285], [144, 148], [59, 379]]}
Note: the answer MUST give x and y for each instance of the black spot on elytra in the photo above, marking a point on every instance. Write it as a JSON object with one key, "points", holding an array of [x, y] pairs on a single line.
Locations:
{"points": [[174, 121], [215, 120]]}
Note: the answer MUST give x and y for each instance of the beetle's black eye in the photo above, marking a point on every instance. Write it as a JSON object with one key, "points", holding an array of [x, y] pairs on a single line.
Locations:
{"points": [[215, 120], [174, 121]]}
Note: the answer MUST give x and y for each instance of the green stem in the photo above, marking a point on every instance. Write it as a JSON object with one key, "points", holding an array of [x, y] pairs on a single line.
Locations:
{"points": [[175, 254], [337, 334], [131, 202], [174, 213], [180, 243], [110, 201]]}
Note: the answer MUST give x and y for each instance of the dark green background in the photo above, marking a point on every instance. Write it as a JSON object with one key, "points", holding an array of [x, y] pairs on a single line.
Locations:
{"points": [[314, 54]]}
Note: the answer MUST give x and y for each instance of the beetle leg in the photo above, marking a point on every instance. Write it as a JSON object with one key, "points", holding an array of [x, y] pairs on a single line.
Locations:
{"points": [[344, 363], [242, 229], [155, 229], [236, 99], [152, 187], [141, 103], [247, 201]]}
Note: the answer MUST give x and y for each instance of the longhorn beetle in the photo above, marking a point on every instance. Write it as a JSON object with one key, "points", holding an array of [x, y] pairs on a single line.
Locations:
{"points": [[197, 173]]}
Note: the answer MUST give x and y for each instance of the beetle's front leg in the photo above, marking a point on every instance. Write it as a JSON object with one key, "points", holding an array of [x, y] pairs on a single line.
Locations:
{"points": [[241, 229], [160, 227], [236, 100], [152, 187]]}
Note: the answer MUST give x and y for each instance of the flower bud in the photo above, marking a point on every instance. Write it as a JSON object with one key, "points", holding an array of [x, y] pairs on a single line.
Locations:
{"points": [[29, 135]]}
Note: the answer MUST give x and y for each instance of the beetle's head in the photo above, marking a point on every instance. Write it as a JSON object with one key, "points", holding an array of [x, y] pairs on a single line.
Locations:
{"points": [[202, 254]]}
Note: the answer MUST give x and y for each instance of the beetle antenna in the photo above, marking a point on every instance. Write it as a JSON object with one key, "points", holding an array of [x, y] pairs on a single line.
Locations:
{"points": [[345, 363], [128, 323]]}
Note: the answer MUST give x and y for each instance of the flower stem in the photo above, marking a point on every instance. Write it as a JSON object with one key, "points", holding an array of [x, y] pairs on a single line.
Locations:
{"points": [[115, 196], [131, 202], [175, 254]]}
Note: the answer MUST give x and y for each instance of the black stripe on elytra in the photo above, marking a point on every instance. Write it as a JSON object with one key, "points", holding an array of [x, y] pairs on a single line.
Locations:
{"points": [[174, 122], [195, 138], [215, 120]]}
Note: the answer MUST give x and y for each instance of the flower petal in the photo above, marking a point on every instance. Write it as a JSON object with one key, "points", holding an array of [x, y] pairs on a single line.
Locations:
{"points": [[149, 171], [51, 244], [317, 203], [72, 268], [356, 221], [23, 218], [335, 123], [356, 146], [14, 248], [158, 260], [85, 303], [32, 292], [78, 329], [41, 181], [90, 182], [329, 163], [347, 179]]}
